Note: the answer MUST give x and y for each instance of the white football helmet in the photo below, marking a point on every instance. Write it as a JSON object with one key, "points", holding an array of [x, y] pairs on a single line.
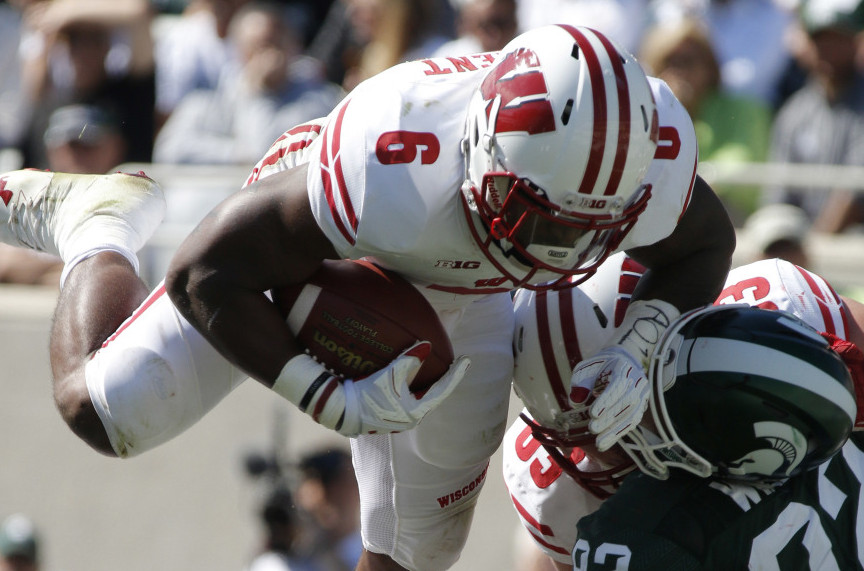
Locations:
{"points": [[558, 138], [554, 330]]}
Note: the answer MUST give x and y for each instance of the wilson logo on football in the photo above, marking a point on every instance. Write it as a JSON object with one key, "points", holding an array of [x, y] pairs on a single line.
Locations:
{"points": [[349, 359], [524, 96]]}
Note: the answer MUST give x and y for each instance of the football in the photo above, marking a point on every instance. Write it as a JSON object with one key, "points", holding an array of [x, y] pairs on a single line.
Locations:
{"points": [[355, 318]]}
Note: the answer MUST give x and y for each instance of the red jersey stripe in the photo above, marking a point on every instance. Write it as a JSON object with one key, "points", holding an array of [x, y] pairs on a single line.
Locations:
{"points": [[327, 178]]}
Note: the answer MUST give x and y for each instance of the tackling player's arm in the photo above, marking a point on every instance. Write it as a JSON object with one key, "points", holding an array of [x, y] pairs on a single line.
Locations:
{"points": [[856, 312], [688, 268]]}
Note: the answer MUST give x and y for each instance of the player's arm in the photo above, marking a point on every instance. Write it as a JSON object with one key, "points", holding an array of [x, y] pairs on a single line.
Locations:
{"points": [[266, 237], [261, 237], [856, 312], [852, 355], [688, 268]]}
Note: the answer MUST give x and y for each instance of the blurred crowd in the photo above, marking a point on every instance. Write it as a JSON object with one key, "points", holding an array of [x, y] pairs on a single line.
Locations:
{"points": [[91, 84], [309, 512]]}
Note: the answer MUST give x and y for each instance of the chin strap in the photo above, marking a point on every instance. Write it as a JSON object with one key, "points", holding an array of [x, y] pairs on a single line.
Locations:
{"points": [[854, 359]]}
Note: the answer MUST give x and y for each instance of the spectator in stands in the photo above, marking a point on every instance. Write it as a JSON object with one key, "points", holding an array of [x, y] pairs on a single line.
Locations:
{"points": [[21, 266], [281, 523], [271, 88], [15, 106], [84, 139], [729, 127], [192, 52], [19, 544], [338, 44], [96, 52], [823, 122], [328, 492], [754, 40], [78, 139], [390, 32], [777, 231], [483, 26], [624, 21], [397, 25]]}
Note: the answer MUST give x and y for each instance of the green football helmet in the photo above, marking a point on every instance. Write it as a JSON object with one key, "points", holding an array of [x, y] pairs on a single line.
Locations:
{"points": [[743, 393]]}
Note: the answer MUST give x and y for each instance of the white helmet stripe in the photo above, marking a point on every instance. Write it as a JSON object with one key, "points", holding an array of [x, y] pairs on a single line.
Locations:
{"points": [[623, 116], [713, 354]]}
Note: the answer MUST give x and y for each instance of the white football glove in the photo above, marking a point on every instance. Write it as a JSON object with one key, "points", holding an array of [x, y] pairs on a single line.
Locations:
{"points": [[616, 375], [617, 381], [377, 403]]}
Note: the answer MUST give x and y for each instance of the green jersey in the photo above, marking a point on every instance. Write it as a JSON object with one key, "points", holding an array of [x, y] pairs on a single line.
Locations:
{"points": [[809, 522]]}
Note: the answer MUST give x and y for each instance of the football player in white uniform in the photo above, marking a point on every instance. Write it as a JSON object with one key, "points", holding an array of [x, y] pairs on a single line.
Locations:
{"points": [[470, 176], [553, 327]]}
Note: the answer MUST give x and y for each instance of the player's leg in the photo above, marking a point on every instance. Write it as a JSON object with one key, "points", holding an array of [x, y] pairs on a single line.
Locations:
{"points": [[130, 372], [98, 295], [77, 217], [377, 562], [419, 488]]}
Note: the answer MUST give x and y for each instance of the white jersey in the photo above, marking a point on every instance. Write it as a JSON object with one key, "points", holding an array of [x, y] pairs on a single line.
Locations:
{"points": [[385, 174], [549, 502]]}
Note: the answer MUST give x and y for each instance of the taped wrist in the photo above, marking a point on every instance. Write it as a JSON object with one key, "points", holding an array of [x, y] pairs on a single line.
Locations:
{"points": [[644, 325], [313, 389]]}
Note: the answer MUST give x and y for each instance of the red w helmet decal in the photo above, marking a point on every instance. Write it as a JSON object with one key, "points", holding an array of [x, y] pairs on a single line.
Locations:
{"points": [[5, 193], [524, 96]]}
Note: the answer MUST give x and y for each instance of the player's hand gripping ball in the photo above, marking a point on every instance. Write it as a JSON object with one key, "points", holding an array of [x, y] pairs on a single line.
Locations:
{"points": [[355, 318]]}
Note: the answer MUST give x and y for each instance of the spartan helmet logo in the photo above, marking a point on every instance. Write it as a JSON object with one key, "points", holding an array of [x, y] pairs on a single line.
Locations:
{"points": [[786, 449]]}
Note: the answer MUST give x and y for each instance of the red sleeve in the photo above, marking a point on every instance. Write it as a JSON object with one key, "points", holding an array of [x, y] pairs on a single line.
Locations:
{"points": [[854, 359]]}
